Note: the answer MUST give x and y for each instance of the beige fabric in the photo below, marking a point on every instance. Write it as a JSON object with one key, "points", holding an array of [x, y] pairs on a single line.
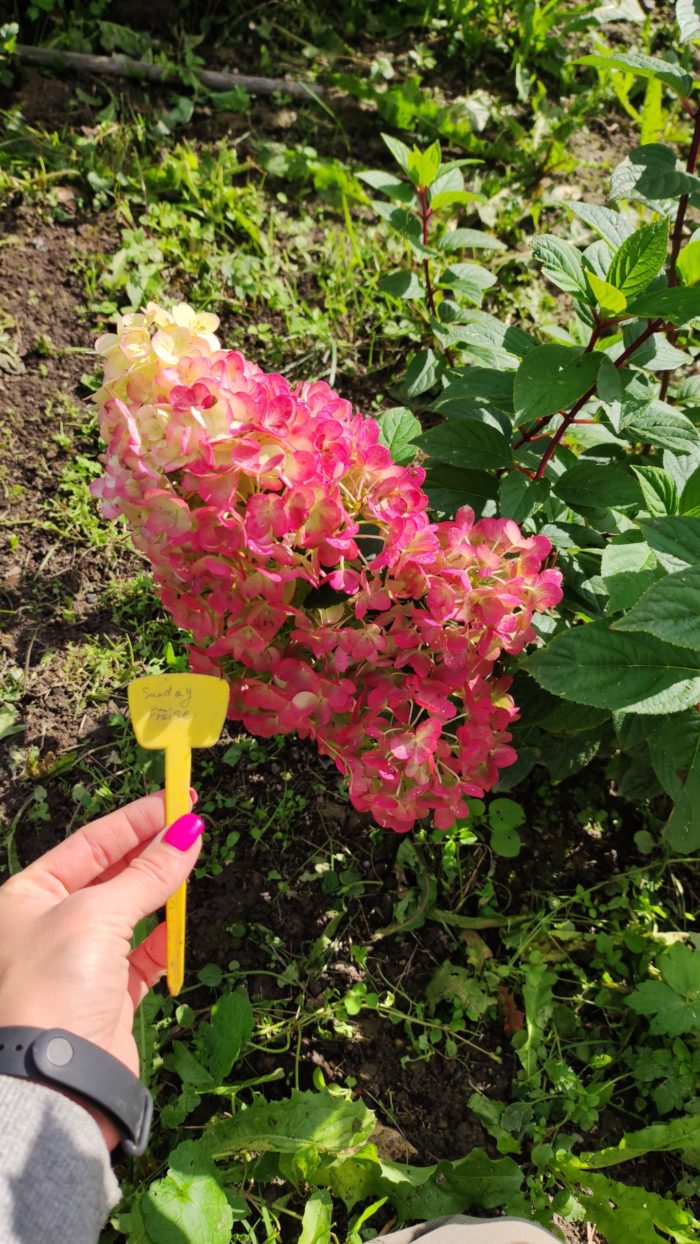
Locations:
{"points": [[461, 1230]]}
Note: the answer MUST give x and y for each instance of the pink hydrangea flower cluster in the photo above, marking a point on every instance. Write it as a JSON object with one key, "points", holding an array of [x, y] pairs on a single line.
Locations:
{"points": [[301, 557]]}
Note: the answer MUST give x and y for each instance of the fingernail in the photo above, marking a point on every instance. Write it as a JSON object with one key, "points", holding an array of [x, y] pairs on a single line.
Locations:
{"points": [[193, 796], [184, 831]]}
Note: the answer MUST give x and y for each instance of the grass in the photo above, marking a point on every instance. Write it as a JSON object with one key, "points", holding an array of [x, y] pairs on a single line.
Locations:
{"points": [[483, 975]]}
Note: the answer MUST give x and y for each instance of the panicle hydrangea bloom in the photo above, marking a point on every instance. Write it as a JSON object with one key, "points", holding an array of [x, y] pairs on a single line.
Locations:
{"points": [[301, 557]]}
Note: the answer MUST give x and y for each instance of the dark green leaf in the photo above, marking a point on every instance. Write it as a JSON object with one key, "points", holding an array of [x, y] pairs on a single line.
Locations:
{"points": [[552, 378], [675, 539], [663, 425], [639, 259], [451, 487], [669, 609], [467, 443], [488, 340], [682, 829], [519, 496], [398, 429], [651, 172], [483, 385], [643, 67], [591, 485], [230, 1029], [677, 304], [423, 371], [690, 496], [189, 1204], [655, 353], [658, 490], [401, 285], [594, 665], [610, 391]]}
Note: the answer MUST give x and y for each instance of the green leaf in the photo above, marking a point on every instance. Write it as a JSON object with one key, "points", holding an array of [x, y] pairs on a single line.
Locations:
{"points": [[451, 487], [662, 425], [475, 239], [454, 984], [469, 279], [690, 496], [688, 263], [674, 1002], [688, 18], [643, 67], [612, 226], [318, 1218], [655, 353], [675, 539], [658, 490], [182, 1061], [401, 285], [552, 378], [329, 1122], [476, 386], [230, 1030], [669, 609], [594, 486], [651, 172], [398, 428], [189, 1203], [594, 665], [623, 1213], [386, 183], [639, 259], [610, 300], [519, 496], [676, 304], [682, 829], [561, 263], [610, 391], [467, 443], [488, 340], [423, 372], [400, 152], [427, 1192], [677, 1134], [423, 166]]}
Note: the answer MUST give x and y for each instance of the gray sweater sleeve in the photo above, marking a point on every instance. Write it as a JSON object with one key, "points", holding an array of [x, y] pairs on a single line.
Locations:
{"points": [[56, 1181]]}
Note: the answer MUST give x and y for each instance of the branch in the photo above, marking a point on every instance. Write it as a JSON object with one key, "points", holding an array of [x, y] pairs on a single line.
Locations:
{"points": [[118, 66], [652, 327], [677, 234]]}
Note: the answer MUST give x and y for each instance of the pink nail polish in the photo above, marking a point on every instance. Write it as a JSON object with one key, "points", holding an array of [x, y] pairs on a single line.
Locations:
{"points": [[184, 831]]}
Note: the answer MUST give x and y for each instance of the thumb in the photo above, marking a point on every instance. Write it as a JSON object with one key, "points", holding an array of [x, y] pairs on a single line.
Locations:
{"points": [[156, 873]]}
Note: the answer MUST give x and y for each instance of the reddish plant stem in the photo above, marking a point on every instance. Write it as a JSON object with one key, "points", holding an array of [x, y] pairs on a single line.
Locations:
{"points": [[677, 233], [652, 327], [533, 433], [425, 214]]}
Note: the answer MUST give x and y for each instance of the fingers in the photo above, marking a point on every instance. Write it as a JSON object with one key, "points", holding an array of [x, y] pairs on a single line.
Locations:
{"points": [[153, 875], [90, 852], [147, 964]]}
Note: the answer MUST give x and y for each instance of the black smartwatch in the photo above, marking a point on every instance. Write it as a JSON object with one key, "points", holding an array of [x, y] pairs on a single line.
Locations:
{"points": [[61, 1060]]}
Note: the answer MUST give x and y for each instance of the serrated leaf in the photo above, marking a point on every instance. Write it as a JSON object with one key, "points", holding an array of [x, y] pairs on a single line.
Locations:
{"points": [[651, 172], [451, 487], [561, 263], [402, 285], [676, 540], [332, 1124], [423, 372], [611, 225], [688, 18], [612, 301], [476, 386], [662, 425], [469, 279], [677, 304], [467, 443], [643, 67], [552, 378], [398, 429], [690, 496], [610, 391], [673, 1002], [488, 340], [639, 259], [519, 496], [669, 609], [658, 490], [594, 665], [592, 485]]}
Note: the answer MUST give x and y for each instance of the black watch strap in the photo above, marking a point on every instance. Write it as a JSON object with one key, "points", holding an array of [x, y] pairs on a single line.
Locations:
{"points": [[60, 1059]]}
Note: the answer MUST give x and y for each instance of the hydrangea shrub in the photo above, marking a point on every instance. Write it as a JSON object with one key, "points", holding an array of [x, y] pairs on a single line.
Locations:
{"points": [[303, 560]]}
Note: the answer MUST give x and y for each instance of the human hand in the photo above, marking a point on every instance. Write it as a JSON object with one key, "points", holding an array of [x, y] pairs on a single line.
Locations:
{"points": [[66, 924]]}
